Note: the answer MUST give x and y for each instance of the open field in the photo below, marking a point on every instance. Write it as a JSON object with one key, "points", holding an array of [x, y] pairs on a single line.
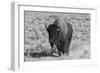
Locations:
{"points": [[36, 36]]}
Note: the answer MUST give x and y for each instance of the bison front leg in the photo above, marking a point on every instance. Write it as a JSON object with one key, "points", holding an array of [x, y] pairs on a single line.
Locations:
{"points": [[60, 51]]}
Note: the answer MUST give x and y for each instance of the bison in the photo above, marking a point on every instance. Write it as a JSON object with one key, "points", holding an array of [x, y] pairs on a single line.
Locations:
{"points": [[60, 34]]}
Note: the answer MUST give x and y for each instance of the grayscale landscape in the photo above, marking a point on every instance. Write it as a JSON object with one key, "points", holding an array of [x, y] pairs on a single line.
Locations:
{"points": [[36, 42]]}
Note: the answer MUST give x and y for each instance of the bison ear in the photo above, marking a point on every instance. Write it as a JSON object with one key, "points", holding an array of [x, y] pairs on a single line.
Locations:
{"points": [[46, 26]]}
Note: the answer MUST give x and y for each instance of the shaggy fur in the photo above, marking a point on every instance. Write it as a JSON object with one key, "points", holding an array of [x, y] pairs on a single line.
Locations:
{"points": [[60, 34]]}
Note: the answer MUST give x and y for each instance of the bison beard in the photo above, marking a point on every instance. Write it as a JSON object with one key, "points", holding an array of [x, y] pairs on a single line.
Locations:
{"points": [[56, 37]]}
